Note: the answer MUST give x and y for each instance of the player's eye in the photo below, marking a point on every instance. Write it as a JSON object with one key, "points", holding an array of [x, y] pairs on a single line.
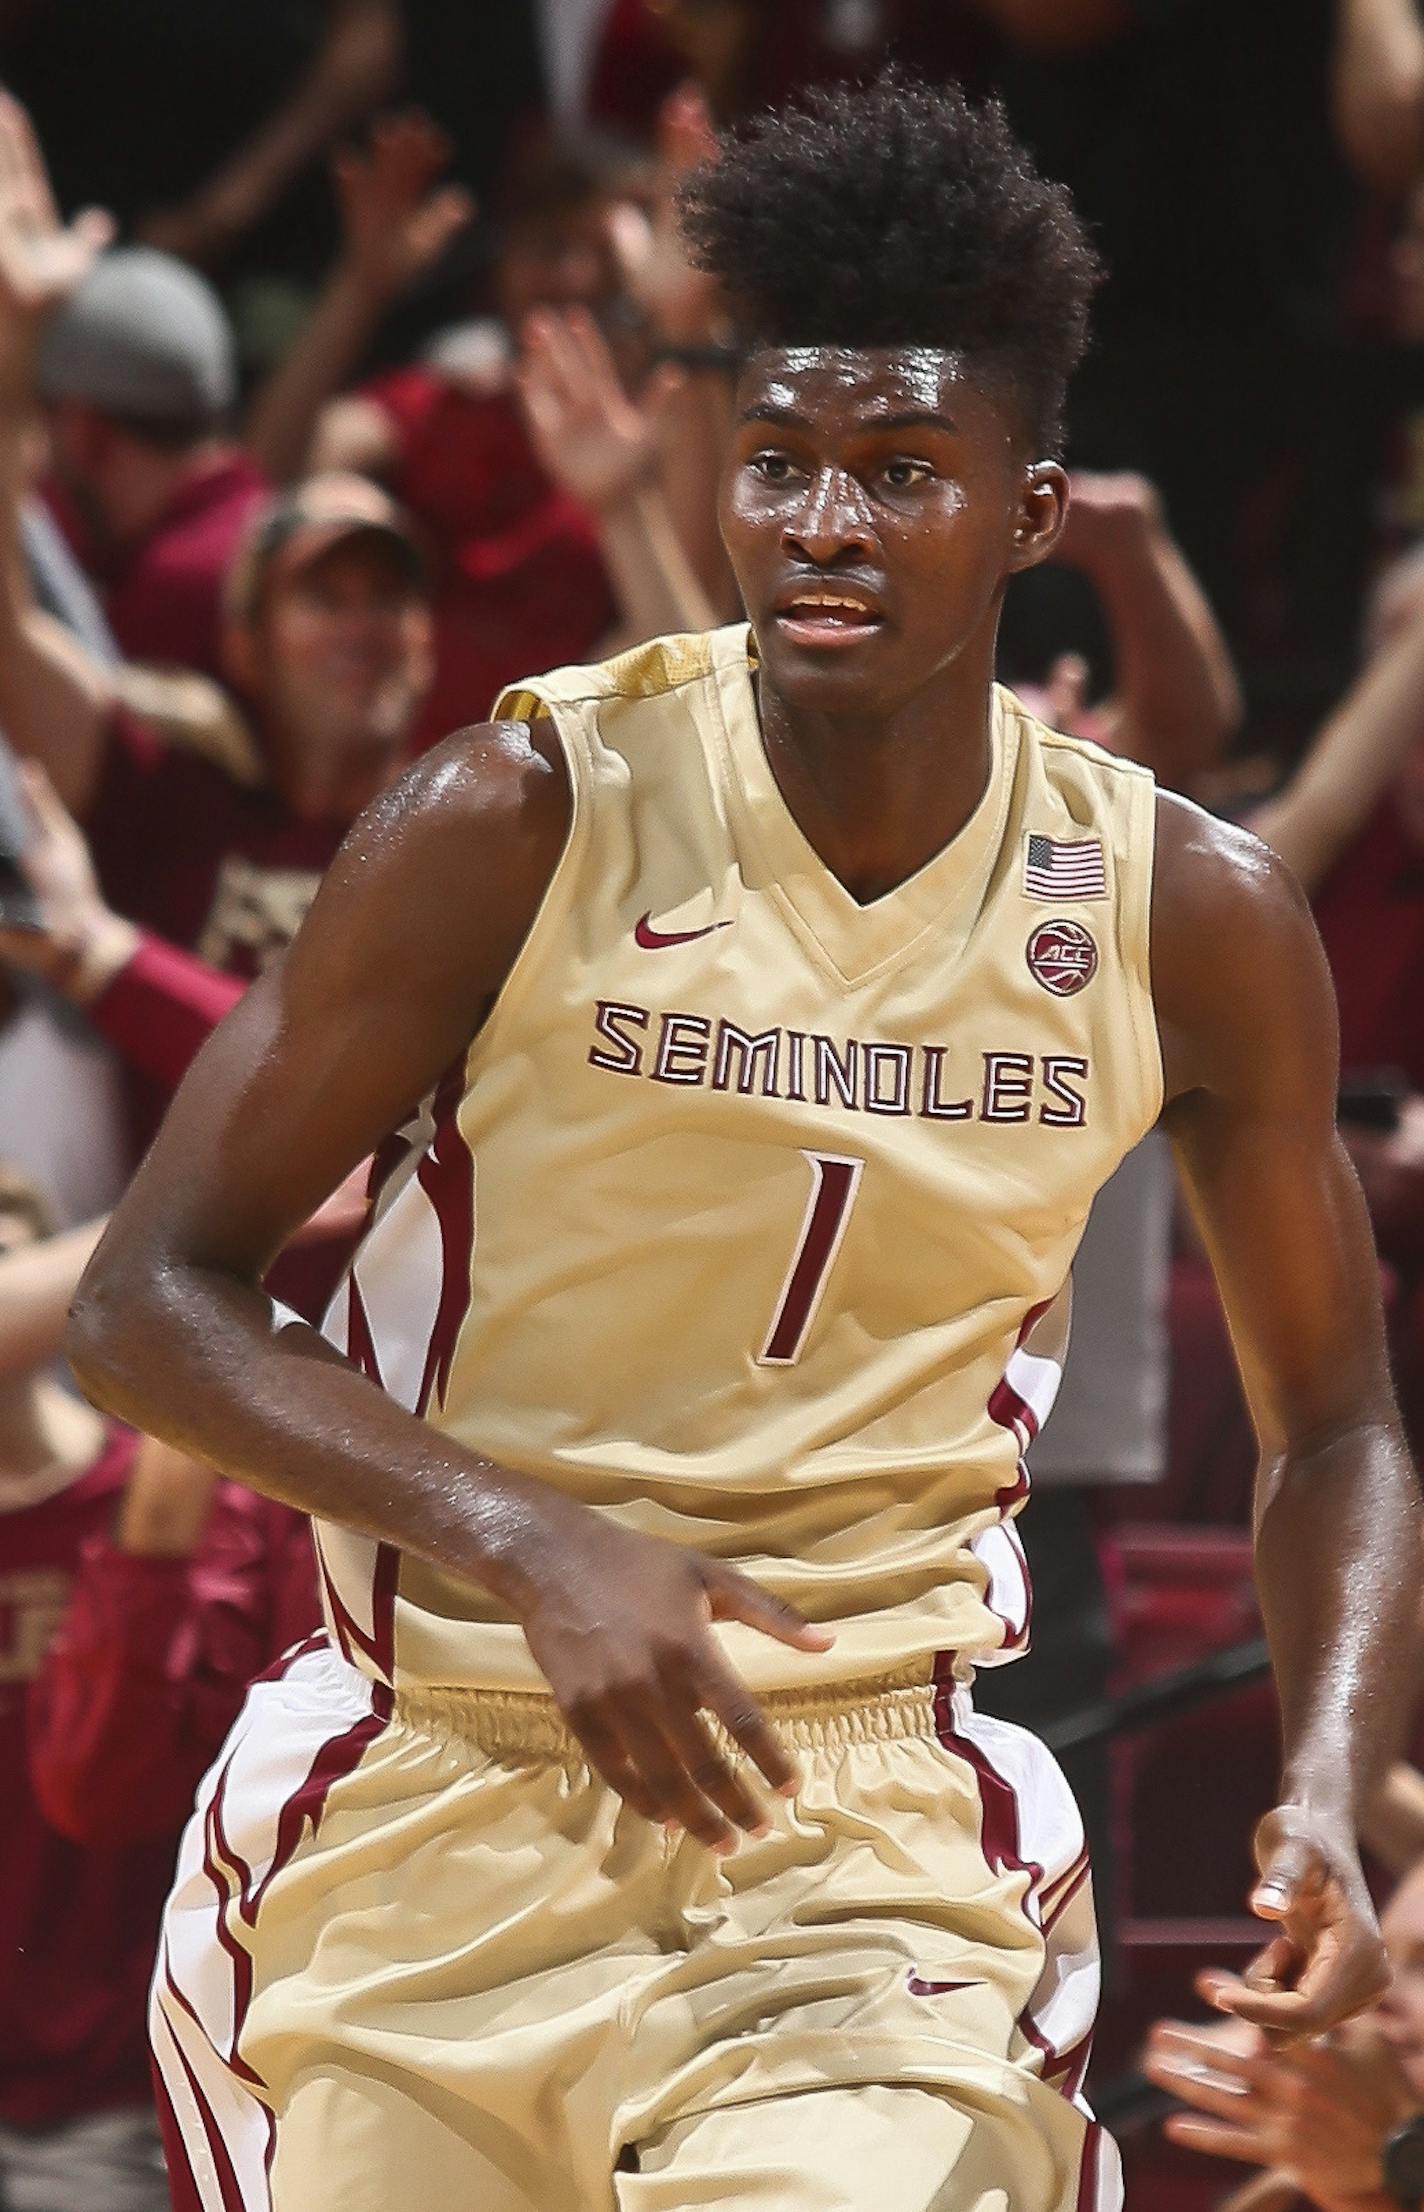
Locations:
{"points": [[901, 473], [771, 467]]}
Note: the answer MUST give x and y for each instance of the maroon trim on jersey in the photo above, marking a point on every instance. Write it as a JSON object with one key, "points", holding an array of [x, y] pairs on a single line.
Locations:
{"points": [[348, 1635], [446, 1175], [384, 1579], [1014, 1413], [379, 1646], [1011, 1411], [360, 1343]]}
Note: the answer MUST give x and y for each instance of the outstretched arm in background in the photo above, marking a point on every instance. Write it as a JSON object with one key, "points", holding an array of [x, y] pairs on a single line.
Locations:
{"points": [[1352, 760], [397, 218], [602, 448], [1176, 701], [353, 69], [1247, 1024], [54, 696]]}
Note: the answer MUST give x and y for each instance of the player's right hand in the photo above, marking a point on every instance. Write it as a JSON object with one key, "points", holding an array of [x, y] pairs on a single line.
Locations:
{"points": [[621, 1626]]}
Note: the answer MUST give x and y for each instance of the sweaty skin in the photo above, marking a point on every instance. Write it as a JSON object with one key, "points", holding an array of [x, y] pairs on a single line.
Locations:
{"points": [[859, 477]]}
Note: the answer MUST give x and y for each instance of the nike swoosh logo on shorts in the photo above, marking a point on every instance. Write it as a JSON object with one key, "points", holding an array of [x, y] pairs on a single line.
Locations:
{"points": [[920, 1988], [654, 940]]}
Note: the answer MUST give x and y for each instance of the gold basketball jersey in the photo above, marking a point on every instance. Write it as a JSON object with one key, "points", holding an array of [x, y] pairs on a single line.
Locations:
{"points": [[745, 1218]]}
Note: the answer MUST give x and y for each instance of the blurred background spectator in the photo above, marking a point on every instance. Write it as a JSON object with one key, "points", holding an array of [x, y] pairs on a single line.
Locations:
{"points": [[380, 381]]}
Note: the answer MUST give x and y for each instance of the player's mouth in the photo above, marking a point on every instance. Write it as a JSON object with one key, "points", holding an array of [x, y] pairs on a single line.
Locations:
{"points": [[823, 616]]}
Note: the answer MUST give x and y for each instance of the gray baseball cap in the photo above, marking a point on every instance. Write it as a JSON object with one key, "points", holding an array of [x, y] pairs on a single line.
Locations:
{"points": [[143, 336]]}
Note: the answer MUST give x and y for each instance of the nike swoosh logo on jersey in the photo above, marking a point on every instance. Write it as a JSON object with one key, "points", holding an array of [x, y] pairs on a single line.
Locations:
{"points": [[653, 940]]}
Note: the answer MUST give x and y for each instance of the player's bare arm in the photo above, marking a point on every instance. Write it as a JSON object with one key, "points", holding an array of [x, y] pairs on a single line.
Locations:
{"points": [[1247, 1022], [411, 936]]}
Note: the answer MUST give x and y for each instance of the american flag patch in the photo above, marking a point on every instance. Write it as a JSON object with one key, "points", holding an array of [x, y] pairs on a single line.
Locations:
{"points": [[1064, 871]]}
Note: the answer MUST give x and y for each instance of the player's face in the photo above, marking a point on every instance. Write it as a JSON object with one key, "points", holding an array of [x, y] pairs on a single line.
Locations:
{"points": [[344, 648], [873, 507]]}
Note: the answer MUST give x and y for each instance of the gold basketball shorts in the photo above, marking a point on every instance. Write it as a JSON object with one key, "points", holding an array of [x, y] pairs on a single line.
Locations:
{"points": [[417, 1955]]}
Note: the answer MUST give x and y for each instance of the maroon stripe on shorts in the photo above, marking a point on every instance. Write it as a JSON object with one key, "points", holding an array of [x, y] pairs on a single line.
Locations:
{"points": [[182, 2189], [1088, 2174], [999, 1830], [223, 2169]]}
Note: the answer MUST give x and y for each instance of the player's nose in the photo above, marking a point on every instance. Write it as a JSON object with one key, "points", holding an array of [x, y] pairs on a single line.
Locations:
{"points": [[829, 521]]}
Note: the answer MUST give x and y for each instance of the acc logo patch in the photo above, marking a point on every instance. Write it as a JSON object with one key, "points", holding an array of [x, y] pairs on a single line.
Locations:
{"points": [[1062, 957]]}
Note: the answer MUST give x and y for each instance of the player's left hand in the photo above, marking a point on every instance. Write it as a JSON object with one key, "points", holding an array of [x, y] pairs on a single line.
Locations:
{"points": [[1326, 1961]]}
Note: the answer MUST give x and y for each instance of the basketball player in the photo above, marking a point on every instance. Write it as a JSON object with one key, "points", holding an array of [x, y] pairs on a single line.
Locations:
{"points": [[777, 1000]]}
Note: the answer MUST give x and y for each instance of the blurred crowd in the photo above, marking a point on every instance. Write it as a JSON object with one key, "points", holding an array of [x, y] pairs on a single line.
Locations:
{"points": [[350, 369]]}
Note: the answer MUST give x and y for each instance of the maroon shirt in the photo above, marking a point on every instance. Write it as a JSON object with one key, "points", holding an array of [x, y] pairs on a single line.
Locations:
{"points": [[162, 592], [147, 1671], [1370, 912], [213, 865], [77, 1926], [519, 581], [221, 868]]}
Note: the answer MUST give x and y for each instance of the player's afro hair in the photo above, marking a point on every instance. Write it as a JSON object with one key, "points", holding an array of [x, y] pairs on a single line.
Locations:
{"points": [[901, 214]]}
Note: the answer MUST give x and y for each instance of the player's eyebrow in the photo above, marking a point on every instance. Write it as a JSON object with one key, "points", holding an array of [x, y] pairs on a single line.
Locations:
{"points": [[910, 418], [785, 418]]}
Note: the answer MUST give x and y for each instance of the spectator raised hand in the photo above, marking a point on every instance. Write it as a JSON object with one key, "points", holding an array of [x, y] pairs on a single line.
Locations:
{"points": [[397, 218], [41, 258], [678, 299], [603, 448], [594, 440]]}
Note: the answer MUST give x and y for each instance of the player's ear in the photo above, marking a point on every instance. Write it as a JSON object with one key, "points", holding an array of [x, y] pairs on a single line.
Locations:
{"points": [[1043, 510]]}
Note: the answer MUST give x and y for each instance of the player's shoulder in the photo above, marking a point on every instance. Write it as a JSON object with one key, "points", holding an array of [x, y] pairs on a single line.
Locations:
{"points": [[1239, 979], [490, 778], [1211, 873]]}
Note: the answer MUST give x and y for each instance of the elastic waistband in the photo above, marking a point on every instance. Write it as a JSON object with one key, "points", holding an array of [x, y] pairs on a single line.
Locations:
{"points": [[877, 1710]]}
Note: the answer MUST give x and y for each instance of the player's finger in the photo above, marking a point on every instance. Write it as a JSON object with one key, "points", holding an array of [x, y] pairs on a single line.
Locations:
{"points": [[726, 1695], [710, 1772], [659, 1763], [1291, 1870], [735, 1597], [1290, 2013], [609, 1760]]}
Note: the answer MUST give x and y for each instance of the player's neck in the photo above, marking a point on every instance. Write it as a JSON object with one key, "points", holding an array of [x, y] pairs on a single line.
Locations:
{"points": [[42, 1427], [878, 796]]}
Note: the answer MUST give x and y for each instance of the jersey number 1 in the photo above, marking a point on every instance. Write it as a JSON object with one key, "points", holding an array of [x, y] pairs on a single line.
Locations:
{"points": [[835, 1178]]}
